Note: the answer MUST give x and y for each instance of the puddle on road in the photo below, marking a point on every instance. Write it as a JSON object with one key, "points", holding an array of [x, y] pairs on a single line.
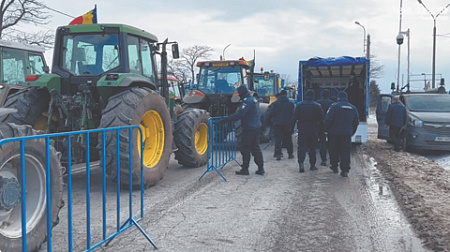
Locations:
{"points": [[388, 213]]}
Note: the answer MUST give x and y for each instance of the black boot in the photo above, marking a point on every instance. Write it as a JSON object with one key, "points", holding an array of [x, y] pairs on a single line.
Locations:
{"points": [[301, 168], [260, 171], [242, 172]]}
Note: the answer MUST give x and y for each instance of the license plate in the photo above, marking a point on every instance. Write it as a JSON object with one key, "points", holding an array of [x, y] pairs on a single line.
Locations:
{"points": [[442, 139]]}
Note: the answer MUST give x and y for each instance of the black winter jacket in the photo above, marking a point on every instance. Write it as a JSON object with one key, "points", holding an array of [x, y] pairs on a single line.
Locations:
{"points": [[280, 112]]}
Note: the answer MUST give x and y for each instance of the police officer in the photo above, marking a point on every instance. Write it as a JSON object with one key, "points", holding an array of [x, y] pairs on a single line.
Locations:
{"points": [[248, 113], [309, 118], [396, 120], [341, 123], [325, 103], [280, 115]]}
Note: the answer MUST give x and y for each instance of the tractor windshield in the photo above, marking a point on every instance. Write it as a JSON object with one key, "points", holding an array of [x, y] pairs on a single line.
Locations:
{"points": [[90, 54], [220, 80], [264, 87]]}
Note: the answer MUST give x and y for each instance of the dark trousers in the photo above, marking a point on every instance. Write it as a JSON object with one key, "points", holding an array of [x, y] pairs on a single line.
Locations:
{"points": [[323, 146], [250, 144], [282, 134], [394, 133], [307, 143], [340, 148]]}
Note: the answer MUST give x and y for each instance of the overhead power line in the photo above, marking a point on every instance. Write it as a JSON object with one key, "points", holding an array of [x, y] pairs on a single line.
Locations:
{"points": [[57, 11]]}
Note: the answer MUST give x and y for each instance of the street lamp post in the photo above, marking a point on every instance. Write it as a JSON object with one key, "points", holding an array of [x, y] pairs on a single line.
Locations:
{"points": [[364, 41], [223, 52], [434, 39]]}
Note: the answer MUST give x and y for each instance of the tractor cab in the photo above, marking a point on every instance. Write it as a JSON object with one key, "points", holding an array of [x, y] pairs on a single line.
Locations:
{"points": [[217, 83], [267, 85]]}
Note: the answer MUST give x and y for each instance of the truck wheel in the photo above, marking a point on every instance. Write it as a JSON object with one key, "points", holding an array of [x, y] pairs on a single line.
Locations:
{"points": [[146, 108], [30, 104], [10, 189], [191, 137]]}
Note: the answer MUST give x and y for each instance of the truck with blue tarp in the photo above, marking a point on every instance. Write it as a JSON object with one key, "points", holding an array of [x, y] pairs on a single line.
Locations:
{"points": [[334, 74]]}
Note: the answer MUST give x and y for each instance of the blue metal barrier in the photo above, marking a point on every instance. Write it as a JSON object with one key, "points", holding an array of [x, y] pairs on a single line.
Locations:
{"points": [[222, 144], [131, 220]]}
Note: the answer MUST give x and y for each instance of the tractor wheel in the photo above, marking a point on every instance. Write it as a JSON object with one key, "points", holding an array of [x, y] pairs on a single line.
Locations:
{"points": [[35, 180], [191, 137], [30, 103], [146, 108], [266, 134]]}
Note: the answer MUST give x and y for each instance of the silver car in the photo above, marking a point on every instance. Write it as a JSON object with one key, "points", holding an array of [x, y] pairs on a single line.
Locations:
{"points": [[428, 126]]}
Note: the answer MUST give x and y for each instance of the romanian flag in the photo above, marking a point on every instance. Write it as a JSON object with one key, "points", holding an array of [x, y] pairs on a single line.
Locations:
{"points": [[88, 18]]}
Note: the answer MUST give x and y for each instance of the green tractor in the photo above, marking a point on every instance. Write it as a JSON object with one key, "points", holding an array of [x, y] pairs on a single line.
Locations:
{"points": [[215, 95], [17, 62], [103, 75]]}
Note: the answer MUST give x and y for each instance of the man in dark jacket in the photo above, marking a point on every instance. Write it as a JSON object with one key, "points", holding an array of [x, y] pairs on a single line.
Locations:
{"points": [[355, 95], [325, 103], [309, 118], [341, 123], [396, 120], [280, 115], [248, 113]]}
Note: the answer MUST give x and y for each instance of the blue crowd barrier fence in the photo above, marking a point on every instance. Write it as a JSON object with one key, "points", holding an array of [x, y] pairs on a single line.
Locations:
{"points": [[127, 214], [222, 145]]}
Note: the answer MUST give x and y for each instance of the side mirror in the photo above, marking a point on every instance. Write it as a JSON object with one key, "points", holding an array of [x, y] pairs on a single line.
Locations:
{"points": [[197, 78], [46, 69], [392, 85], [175, 51]]}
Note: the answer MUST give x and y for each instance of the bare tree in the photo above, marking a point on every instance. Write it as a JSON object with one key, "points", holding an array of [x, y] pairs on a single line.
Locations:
{"points": [[192, 54], [14, 12], [179, 70], [376, 69]]}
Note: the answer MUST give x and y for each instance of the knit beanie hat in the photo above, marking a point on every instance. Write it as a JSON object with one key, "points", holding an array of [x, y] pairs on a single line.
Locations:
{"points": [[326, 93], [342, 96], [309, 95]]}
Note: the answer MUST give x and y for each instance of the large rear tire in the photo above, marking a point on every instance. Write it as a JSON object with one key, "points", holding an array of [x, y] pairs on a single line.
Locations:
{"points": [[30, 103], [35, 179], [146, 108], [191, 137]]}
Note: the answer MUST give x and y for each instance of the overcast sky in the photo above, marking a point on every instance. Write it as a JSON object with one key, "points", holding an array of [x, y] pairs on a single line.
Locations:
{"points": [[283, 32]]}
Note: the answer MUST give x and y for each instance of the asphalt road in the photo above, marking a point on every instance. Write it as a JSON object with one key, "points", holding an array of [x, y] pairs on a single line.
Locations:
{"points": [[282, 211]]}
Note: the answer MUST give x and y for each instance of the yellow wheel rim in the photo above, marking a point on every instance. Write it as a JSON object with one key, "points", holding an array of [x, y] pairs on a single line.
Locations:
{"points": [[153, 138], [201, 139], [41, 123]]}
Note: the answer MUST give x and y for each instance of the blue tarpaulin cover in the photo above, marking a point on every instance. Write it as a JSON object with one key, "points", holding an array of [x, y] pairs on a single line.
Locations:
{"points": [[341, 61]]}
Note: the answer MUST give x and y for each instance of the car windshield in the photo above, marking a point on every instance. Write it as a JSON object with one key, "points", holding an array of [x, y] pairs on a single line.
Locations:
{"points": [[264, 87], [428, 103], [90, 54], [216, 80]]}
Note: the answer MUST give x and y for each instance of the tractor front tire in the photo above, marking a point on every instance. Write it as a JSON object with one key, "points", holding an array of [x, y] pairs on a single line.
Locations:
{"points": [[191, 137], [146, 108], [35, 183]]}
